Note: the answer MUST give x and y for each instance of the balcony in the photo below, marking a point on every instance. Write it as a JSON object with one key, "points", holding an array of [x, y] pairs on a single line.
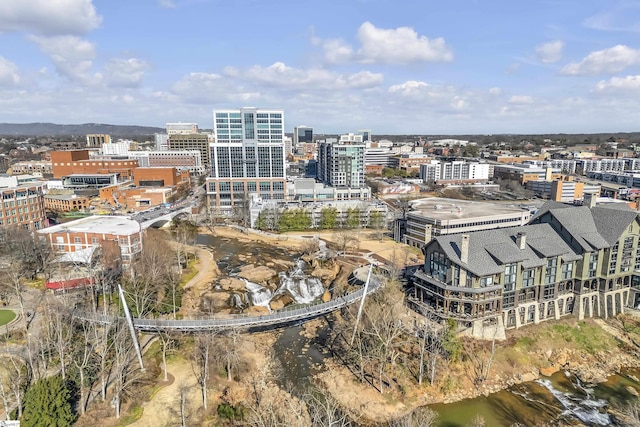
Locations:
{"points": [[463, 289]]}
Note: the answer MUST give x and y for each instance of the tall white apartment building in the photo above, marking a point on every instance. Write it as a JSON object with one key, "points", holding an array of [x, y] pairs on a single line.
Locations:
{"points": [[601, 165], [458, 170], [247, 157], [341, 165]]}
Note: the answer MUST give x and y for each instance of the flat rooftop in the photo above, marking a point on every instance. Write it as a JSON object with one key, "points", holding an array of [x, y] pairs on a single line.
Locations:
{"points": [[448, 209], [97, 224]]}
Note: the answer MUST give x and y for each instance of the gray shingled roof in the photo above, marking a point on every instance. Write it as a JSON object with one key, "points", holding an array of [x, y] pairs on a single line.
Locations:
{"points": [[490, 250], [578, 221], [611, 221], [546, 207]]}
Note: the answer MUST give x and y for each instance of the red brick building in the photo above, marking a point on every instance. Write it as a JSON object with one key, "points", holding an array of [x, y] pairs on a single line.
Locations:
{"points": [[66, 163]]}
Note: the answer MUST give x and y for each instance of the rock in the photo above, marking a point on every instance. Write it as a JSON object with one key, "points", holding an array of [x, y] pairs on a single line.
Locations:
{"points": [[324, 273], [549, 370], [632, 390], [232, 284], [276, 305], [214, 301], [633, 377], [256, 310], [326, 297], [260, 274]]}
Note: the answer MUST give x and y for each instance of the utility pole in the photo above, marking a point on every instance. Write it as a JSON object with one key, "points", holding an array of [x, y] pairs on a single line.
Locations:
{"points": [[364, 294], [134, 337]]}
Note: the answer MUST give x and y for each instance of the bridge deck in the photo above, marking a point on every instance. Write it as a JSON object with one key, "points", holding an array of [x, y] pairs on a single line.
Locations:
{"points": [[240, 321]]}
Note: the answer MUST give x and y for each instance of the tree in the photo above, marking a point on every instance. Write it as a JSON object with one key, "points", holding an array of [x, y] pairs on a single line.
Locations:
{"points": [[450, 342], [325, 410], [328, 218], [353, 218], [345, 240], [200, 360], [375, 220], [421, 417], [471, 150], [47, 403]]}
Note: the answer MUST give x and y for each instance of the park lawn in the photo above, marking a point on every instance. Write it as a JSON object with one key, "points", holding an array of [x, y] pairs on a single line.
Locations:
{"points": [[6, 316]]}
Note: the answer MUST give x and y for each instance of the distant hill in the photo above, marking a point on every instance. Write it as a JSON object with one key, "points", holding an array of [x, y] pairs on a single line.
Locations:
{"points": [[52, 129]]}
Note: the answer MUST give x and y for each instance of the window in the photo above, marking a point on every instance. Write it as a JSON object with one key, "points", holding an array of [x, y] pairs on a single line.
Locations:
{"points": [[528, 277], [510, 274], [593, 264], [438, 265], [567, 270], [486, 281], [552, 268]]}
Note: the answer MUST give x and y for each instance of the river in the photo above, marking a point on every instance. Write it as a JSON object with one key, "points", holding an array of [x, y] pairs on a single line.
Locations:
{"points": [[559, 399]]}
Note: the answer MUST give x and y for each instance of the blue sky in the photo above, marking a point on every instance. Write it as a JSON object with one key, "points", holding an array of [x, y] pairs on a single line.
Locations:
{"points": [[422, 67]]}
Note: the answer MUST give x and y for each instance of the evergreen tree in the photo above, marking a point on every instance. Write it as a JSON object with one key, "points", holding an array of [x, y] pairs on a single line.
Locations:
{"points": [[47, 403]]}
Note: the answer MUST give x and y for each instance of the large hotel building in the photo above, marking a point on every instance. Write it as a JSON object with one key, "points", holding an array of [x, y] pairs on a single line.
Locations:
{"points": [[247, 157]]}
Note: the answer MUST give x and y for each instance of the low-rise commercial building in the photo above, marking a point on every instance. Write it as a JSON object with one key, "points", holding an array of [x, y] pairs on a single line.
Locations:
{"points": [[66, 202], [36, 167], [94, 231], [75, 162], [433, 216], [562, 190]]}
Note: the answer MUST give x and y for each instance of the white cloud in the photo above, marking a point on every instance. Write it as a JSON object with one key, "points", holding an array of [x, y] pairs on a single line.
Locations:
{"points": [[125, 72], [610, 60], [8, 73], [495, 91], [48, 17], [550, 52], [408, 88], [337, 51], [73, 56], [520, 100], [622, 84], [284, 77], [400, 45]]}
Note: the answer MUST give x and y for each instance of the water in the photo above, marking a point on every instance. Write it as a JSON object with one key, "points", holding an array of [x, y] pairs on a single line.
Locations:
{"points": [[232, 254], [558, 399]]}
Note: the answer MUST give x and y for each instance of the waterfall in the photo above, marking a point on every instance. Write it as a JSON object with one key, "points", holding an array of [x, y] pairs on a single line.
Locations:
{"points": [[237, 301], [586, 410], [259, 295], [302, 289]]}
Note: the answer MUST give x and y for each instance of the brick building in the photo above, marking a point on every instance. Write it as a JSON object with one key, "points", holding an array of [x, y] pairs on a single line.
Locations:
{"points": [[23, 205], [160, 177], [72, 162], [66, 202], [96, 231]]}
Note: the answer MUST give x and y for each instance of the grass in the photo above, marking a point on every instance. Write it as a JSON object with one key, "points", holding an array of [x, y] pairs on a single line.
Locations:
{"points": [[6, 316], [134, 415]]}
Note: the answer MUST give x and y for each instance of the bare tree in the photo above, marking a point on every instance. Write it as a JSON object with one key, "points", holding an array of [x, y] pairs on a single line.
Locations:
{"points": [[227, 345], [325, 410], [200, 361], [481, 355], [19, 378], [429, 338], [61, 331], [421, 417], [83, 358], [124, 368], [346, 239], [167, 341]]}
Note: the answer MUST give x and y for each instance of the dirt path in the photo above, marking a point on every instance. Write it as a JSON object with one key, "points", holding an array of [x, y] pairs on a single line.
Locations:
{"points": [[164, 407], [207, 272]]}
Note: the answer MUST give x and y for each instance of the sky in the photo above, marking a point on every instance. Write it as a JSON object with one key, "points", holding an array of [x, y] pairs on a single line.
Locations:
{"points": [[394, 66]]}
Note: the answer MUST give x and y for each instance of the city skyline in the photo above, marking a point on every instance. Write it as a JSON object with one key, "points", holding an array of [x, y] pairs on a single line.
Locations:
{"points": [[411, 67]]}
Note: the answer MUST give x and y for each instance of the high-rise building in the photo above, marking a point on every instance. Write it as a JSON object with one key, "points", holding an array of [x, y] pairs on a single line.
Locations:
{"points": [[366, 134], [247, 157], [23, 205], [302, 134], [96, 140], [181, 128], [341, 165], [191, 141]]}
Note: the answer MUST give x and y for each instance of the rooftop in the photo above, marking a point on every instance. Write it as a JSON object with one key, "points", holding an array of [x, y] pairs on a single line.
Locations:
{"points": [[100, 224], [449, 209]]}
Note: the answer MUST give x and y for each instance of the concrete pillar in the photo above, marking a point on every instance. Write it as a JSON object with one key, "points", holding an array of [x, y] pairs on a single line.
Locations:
{"points": [[556, 309], [536, 314], [518, 323], [606, 309], [590, 308], [580, 307]]}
